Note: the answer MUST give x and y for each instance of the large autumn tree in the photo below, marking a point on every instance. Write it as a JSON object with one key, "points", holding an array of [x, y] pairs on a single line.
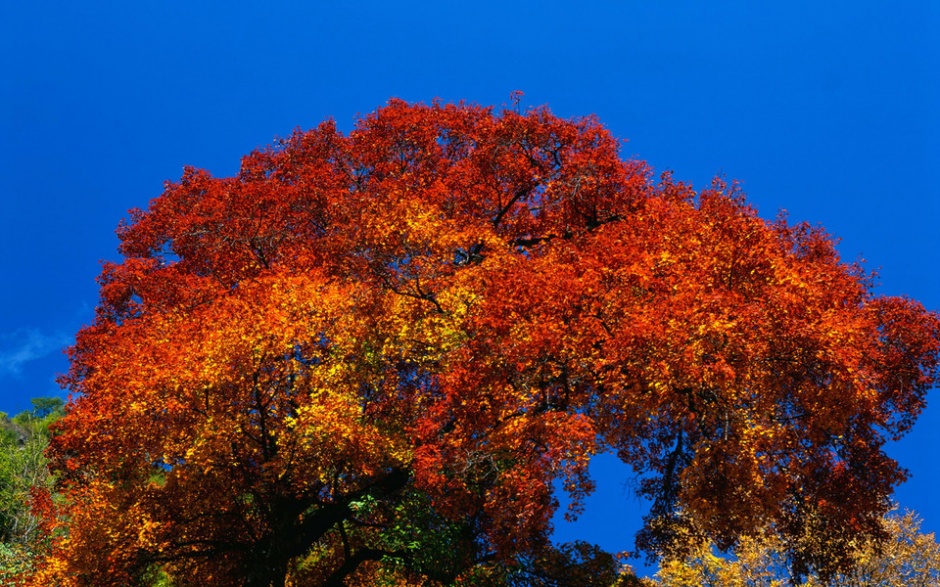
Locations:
{"points": [[370, 358]]}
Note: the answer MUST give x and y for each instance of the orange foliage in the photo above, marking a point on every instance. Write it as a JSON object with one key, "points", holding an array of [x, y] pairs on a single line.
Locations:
{"points": [[464, 305]]}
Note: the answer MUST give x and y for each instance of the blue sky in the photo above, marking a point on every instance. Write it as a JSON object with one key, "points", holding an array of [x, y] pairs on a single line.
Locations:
{"points": [[828, 110]]}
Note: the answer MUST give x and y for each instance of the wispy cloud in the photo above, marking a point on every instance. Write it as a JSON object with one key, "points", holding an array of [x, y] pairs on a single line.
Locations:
{"points": [[29, 344]]}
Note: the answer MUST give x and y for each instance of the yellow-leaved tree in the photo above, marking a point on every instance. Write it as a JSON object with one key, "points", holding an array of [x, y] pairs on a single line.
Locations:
{"points": [[906, 558]]}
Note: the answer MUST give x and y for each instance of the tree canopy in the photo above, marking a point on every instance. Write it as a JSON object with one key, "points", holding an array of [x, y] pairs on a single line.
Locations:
{"points": [[369, 358]]}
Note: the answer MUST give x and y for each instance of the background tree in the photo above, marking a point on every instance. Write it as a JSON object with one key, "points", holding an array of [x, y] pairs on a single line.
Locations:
{"points": [[23, 472], [907, 558], [363, 348]]}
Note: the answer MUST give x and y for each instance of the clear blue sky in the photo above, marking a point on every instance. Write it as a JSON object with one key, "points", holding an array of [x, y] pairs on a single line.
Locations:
{"points": [[826, 109]]}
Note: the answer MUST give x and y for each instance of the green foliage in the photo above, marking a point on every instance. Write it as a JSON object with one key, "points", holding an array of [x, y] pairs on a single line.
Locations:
{"points": [[36, 421], [429, 544], [11, 431], [15, 560], [23, 466], [156, 577], [47, 406]]}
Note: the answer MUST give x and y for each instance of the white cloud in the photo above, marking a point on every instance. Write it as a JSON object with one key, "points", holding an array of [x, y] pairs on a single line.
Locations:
{"points": [[22, 346]]}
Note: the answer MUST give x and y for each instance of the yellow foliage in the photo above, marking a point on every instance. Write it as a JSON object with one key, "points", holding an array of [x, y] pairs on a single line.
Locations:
{"points": [[907, 558]]}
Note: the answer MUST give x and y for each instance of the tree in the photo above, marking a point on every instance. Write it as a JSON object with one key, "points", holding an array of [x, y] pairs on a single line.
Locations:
{"points": [[369, 357], [907, 558], [46, 406]]}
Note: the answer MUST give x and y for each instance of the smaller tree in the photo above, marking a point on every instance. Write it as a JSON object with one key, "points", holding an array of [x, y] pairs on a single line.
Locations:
{"points": [[43, 407], [907, 558]]}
